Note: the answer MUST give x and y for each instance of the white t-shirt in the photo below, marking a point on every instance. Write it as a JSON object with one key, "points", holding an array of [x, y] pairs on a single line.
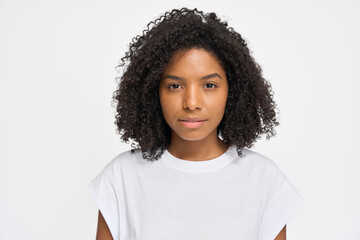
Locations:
{"points": [[227, 197]]}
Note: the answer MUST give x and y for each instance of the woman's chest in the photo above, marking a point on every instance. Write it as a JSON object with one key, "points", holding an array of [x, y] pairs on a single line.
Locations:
{"points": [[193, 208]]}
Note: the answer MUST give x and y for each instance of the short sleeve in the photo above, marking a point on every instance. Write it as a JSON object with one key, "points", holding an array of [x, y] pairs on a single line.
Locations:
{"points": [[280, 209], [102, 190]]}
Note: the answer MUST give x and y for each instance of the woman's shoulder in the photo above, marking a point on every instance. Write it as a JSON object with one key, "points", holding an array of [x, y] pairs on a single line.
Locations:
{"points": [[258, 159], [125, 157], [259, 164]]}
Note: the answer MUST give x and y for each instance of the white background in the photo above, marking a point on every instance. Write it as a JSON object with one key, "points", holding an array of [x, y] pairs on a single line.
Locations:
{"points": [[57, 76]]}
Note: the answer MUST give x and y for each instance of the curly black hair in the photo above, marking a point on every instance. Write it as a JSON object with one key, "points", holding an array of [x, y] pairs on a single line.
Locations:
{"points": [[250, 108]]}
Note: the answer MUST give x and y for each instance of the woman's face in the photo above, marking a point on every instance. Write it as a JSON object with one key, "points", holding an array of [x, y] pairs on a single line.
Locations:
{"points": [[193, 85]]}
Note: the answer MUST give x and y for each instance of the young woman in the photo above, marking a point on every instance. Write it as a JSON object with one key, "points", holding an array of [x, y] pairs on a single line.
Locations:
{"points": [[194, 100]]}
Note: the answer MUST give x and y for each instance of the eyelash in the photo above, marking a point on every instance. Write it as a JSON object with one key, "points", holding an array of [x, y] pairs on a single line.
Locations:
{"points": [[170, 85]]}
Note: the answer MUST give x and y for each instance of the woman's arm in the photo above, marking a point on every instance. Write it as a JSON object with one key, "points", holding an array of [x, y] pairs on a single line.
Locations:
{"points": [[103, 231], [282, 234]]}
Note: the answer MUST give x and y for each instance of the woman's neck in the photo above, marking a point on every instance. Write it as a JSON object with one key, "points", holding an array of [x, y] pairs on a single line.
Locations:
{"points": [[201, 150]]}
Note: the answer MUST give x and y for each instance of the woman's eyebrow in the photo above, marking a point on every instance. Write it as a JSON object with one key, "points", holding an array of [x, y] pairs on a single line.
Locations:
{"points": [[204, 77], [211, 76]]}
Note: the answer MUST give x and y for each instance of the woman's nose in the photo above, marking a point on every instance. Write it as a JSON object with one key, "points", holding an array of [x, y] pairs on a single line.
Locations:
{"points": [[192, 98]]}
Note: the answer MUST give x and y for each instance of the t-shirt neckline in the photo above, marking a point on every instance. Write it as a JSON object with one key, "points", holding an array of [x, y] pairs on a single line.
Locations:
{"points": [[199, 166]]}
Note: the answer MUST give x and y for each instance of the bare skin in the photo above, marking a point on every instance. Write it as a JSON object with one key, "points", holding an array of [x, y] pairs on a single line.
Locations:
{"points": [[194, 84], [282, 234], [103, 231]]}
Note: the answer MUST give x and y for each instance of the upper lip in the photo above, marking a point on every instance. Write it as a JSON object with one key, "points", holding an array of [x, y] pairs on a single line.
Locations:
{"points": [[192, 119]]}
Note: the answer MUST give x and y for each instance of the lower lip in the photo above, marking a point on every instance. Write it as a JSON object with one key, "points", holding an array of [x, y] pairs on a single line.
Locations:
{"points": [[192, 124]]}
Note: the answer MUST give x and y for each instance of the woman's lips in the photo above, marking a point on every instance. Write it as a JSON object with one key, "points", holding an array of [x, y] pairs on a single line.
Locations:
{"points": [[192, 119], [192, 124]]}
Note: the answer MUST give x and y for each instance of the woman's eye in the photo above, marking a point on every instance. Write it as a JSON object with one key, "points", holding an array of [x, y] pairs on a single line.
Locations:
{"points": [[174, 86], [210, 85]]}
